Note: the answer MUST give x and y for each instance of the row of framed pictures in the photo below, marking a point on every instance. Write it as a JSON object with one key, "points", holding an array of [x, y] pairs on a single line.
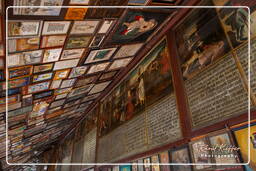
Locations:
{"points": [[222, 147]]}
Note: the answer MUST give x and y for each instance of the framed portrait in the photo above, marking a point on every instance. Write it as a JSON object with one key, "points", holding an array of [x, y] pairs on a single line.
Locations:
{"points": [[38, 87], [53, 41], [180, 155], [42, 77], [146, 164], [128, 50], [200, 156], [80, 90], [137, 26], [86, 80], [20, 71], [84, 27], [42, 68], [77, 71], [43, 94], [23, 28], [108, 75], [119, 63], [23, 44], [164, 158], [97, 40], [99, 87], [61, 74], [98, 67], [65, 64], [237, 32], [78, 42], [52, 55], [155, 160], [106, 25], [241, 133], [19, 82], [75, 13], [125, 168], [55, 84], [79, 2], [200, 41], [37, 11], [99, 55], [67, 83], [72, 53], [55, 27]]}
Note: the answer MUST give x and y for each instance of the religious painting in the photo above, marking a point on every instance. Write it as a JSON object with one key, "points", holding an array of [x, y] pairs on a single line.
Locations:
{"points": [[180, 155], [241, 135], [78, 42], [99, 87], [98, 67], [53, 41], [52, 55], [84, 27], [77, 71], [99, 55], [106, 26], [61, 74], [125, 168], [55, 27], [38, 87], [42, 68], [200, 41], [65, 64], [200, 155], [23, 44], [23, 28], [35, 11], [67, 83], [119, 63], [236, 20], [42, 77], [97, 40], [218, 141], [79, 2], [72, 53], [137, 26], [20, 71], [164, 158], [155, 161], [75, 13], [128, 50], [19, 82], [108, 75], [146, 164]]}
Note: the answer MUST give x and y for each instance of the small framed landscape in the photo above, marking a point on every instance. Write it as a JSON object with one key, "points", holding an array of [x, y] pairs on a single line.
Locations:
{"points": [[20, 71], [23, 28], [99, 55], [72, 53], [78, 42], [42, 68], [98, 67], [42, 77], [120, 63], [53, 41], [23, 44], [52, 55], [55, 27]]}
